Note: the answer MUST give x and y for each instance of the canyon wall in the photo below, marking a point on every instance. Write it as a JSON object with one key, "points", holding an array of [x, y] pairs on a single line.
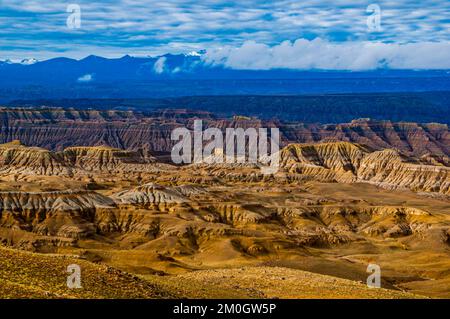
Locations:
{"points": [[57, 129]]}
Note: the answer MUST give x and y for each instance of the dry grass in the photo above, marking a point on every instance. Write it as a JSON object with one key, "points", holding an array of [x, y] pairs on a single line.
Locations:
{"points": [[31, 275], [269, 282]]}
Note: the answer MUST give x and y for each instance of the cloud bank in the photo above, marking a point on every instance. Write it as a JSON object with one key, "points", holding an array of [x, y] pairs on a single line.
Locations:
{"points": [[324, 55]]}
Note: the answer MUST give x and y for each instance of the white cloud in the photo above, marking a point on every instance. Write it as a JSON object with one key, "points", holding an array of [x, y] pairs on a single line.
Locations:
{"points": [[322, 54], [86, 78], [158, 67]]}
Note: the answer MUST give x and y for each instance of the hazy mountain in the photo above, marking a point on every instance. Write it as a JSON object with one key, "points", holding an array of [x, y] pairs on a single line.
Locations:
{"points": [[188, 74], [169, 66]]}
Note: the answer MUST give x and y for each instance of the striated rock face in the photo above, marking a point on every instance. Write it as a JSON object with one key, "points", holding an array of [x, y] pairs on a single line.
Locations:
{"points": [[337, 161], [150, 194], [49, 115], [60, 214], [102, 158], [57, 129], [17, 158], [14, 157], [46, 201], [334, 224], [346, 162], [390, 169], [342, 162], [236, 214]]}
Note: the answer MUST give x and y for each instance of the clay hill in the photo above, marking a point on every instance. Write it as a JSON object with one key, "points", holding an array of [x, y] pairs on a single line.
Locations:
{"points": [[331, 209], [346, 162]]}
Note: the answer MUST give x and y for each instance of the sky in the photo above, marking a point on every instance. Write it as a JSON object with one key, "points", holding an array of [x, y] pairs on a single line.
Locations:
{"points": [[248, 34]]}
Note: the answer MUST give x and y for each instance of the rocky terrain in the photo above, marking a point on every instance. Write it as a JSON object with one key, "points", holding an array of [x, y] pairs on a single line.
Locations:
{"points": [[345, 162], [333, 207], [57, 129]]}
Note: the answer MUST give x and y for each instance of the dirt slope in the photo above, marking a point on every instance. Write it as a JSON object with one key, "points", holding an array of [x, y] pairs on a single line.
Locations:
{"points": [[31, 275], [270, 282]]}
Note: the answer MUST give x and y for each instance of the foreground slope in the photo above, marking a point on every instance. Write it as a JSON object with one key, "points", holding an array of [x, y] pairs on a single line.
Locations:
{"points": [[30, 275], [270, 282]]}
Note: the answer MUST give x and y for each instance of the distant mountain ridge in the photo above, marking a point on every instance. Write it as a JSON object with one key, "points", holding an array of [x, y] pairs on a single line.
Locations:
{"points": [[169, 66], [180, 75]]}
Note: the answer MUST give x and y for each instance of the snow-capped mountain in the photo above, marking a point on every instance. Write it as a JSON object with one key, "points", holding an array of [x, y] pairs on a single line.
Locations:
{"points": [[29, 61], [8, 61], [195, 53]]}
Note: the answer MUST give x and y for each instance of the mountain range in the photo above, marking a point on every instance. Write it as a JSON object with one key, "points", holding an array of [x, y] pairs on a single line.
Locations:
{"points": [[169, 66], [122, 73]]}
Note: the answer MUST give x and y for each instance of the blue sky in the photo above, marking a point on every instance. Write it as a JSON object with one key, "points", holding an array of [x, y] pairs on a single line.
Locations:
{"points": [[36, 28]]}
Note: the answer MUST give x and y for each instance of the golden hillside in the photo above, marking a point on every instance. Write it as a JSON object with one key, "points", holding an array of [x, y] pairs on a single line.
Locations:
{"points": [[31, 275]]}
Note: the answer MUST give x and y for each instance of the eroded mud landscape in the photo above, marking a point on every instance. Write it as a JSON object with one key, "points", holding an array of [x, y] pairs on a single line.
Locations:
{"points": [[96, 189]]}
